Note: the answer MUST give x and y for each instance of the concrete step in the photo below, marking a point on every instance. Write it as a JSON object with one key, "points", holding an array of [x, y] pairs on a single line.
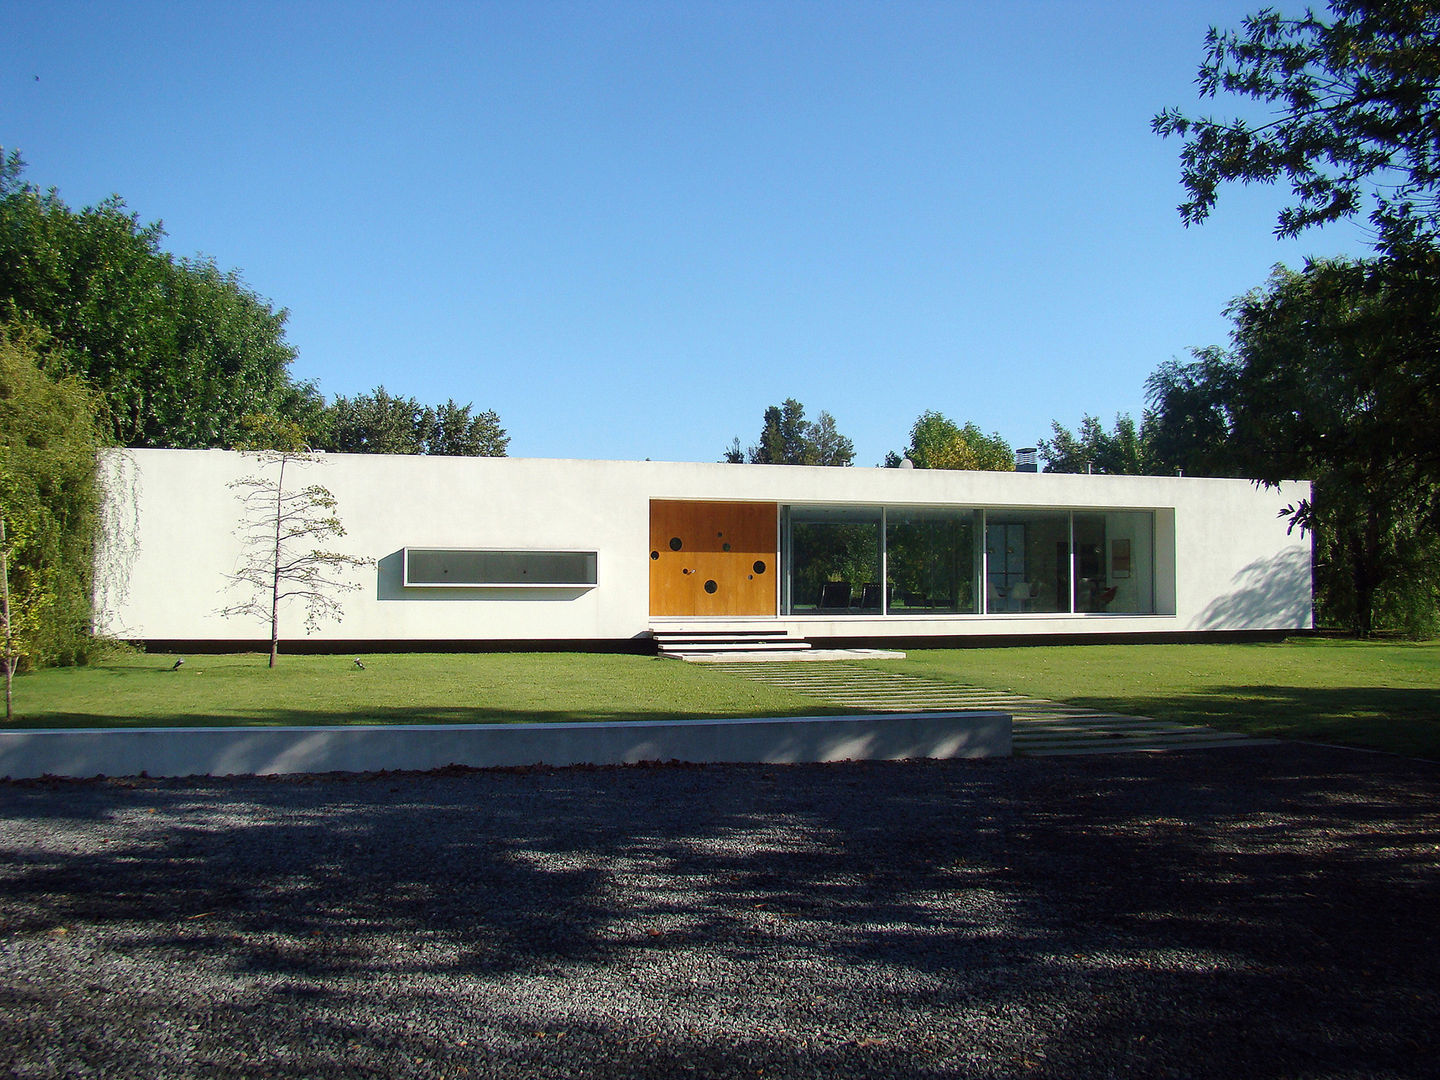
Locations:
{"points": [[719, 635], [691, 642], [729, 646]]}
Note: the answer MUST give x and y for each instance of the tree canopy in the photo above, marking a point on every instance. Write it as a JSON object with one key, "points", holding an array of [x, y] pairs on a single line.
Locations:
{"points": [[1334, 370], [49, 503], [182, 353], [177, 349], [1353, 121], [1122, 451], [1332, 377], [937, 442], [787, 438], [381, 423]]}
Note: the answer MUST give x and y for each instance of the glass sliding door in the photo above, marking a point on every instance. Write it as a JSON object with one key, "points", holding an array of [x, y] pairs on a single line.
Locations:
{"points": [[833, 561], [931, 560]]}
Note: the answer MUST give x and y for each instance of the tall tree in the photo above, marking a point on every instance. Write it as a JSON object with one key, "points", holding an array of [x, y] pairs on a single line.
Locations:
{"points": [[787, 438], [937, 442], [825, 444], [10, 624], [381, 423], [1331, 377], [374, 423], [49, 505], [1354, 125], [280, 527], [229, 355], [458, 432], [1123, 451], [178, 349], [1190, 417], [1354, 117]]}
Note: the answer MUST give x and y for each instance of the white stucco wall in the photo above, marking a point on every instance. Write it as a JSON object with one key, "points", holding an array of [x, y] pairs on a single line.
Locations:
{"points": [[163, 573]]}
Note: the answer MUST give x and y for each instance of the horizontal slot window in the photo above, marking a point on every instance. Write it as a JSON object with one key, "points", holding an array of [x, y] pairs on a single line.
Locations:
{"points": [[474, 568]]}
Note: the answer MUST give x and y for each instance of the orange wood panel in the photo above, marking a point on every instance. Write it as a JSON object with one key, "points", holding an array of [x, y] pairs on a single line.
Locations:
{"points": [[713, 558]]}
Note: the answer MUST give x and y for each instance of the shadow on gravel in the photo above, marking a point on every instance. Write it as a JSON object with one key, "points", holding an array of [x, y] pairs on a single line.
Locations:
{"points": [[1257, 913]]}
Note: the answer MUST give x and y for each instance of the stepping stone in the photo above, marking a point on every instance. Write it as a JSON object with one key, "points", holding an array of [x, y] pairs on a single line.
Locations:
{"points": [[1041, 727]]}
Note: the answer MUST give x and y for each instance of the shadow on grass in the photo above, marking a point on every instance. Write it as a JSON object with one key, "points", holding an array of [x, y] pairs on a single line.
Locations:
{"points": [[1405, 721], [1210, 914], [391, 715]]}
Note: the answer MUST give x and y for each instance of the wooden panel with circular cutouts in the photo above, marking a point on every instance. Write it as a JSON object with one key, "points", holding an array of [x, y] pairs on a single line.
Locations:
{"points": [[713, 558]]}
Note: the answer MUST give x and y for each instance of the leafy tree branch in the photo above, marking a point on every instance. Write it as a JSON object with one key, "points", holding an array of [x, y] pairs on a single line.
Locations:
{"points": [[1354, 117]]}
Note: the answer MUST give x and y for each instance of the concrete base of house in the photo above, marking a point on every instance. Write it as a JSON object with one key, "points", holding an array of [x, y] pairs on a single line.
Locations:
{"points": [[265, 751], [644, 645]]}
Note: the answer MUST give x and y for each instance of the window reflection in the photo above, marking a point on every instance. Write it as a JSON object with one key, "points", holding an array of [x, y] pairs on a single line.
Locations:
{"points": [[1027, 561], [930, 559], [834, 561], [1032, 561]]}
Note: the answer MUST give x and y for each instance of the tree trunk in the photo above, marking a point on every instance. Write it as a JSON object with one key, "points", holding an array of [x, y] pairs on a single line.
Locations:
{"points": [[275, 579], [274, 627], [1365, 573]]}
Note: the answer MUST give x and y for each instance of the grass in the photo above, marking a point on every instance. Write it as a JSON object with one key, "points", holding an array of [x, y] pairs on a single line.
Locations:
{"points": [[1376, 694], [140, 690], [1382, 695]]}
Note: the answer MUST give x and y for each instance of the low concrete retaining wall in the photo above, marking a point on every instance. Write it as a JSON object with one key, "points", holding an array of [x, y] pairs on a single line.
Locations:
{"points": [[237, 751]]}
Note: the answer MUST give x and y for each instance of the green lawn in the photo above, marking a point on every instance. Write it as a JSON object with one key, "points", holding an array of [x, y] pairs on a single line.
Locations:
{"points": [[1383, 695], [394, 688]]}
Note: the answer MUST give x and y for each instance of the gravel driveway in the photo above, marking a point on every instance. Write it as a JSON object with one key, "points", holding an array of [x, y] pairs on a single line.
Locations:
{"points": [[1266, 912]]}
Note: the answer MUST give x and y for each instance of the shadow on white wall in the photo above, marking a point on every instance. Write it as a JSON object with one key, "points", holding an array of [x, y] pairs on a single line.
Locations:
{"points": [[1269, 594]]}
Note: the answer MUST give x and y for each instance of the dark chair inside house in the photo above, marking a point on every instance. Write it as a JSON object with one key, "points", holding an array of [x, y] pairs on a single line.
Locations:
{"points": [[835, 596], [870, 596]]}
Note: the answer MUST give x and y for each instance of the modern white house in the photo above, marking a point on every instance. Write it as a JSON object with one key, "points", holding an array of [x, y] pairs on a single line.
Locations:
{"points": [[491, 552]]}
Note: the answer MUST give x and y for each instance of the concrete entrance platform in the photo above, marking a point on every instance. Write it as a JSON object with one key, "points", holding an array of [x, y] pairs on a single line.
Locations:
{"points": [[771, 656]]}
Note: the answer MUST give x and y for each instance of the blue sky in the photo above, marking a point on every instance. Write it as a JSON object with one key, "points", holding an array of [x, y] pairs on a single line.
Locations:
{"points": [[630, 227]]}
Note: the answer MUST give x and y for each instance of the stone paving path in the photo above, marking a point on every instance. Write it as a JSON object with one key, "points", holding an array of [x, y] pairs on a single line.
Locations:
{"points": [[1041, 727]]}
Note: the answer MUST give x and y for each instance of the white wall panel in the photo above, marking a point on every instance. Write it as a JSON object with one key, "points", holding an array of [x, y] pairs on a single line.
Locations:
{"points": [[1228, 553]]}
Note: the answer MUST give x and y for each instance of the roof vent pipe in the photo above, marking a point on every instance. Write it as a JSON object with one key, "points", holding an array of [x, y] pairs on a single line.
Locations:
{"points": [[1027, 459]]}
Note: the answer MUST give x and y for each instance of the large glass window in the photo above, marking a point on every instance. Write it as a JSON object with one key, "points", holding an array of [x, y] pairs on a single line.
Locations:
{"points": [[834, 561], [1114, 564], [932, 562], [1027, 561], [921, 561]]}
